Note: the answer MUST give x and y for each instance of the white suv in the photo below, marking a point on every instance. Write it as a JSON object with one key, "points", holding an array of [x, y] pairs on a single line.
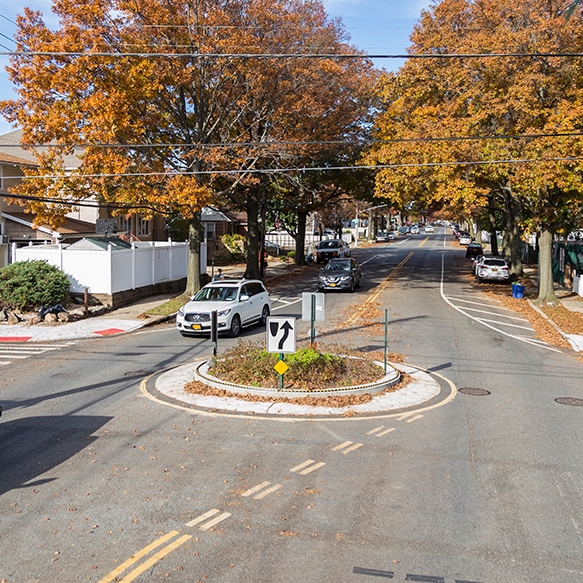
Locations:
{"points": [[237, 303]]}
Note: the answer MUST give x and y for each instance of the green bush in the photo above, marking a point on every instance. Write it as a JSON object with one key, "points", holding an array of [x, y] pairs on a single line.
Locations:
{"points": [[32, 284], [235, 244]]}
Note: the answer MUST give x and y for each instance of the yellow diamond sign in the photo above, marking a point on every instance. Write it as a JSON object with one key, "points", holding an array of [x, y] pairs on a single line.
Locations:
{"points": [[281, 367]]}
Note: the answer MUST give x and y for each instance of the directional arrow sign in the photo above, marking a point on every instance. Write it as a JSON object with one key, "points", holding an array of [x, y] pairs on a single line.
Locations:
{"points": [[281, 335]]}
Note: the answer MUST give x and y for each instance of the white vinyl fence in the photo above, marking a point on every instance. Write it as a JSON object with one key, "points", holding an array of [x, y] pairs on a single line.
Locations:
{"points": [[115, 270]]}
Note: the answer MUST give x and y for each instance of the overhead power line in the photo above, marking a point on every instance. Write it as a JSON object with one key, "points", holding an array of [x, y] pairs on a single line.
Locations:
{"points": [[300, 169], [286, 55], [363, 143]]}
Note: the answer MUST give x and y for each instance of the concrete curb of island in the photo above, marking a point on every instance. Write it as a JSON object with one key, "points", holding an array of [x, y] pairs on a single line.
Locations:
{"points": [[425, 391]]}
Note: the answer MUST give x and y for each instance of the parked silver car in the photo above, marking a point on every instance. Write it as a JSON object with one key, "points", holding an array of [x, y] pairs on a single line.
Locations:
{"points": [[331, 248], [494, 269], [237, 303]]}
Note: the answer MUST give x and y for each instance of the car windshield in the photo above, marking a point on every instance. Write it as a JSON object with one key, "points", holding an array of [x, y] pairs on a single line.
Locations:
{"points": [[328, 245], [494, 262], [222, 293], [338, 266]]}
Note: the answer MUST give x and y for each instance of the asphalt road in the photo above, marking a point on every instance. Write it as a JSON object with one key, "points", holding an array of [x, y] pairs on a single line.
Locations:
{"points": [[99, 483]]}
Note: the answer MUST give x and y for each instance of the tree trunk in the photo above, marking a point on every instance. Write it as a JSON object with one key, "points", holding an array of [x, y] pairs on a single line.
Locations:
{"points": [[252, 269], [546, 290], [493, 231], [193, 281], [512, 233], [300, 258]]}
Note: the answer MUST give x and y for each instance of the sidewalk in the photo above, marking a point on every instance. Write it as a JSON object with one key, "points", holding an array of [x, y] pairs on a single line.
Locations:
{"points": [[120, 321]]}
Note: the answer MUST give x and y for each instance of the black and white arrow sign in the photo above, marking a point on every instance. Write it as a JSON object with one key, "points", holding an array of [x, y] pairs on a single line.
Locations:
{"points": [[281, 335]]}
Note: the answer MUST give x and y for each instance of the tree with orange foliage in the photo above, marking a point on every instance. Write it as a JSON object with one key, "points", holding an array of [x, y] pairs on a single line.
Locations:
{"points": [[500, 99], [169, 114]]}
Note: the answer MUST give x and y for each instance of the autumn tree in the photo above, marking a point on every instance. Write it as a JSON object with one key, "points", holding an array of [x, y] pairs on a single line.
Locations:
{"points": [[169, 105], [481, 111]]}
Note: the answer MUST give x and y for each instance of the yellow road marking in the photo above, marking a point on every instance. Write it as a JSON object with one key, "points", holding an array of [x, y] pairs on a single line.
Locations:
{"points": [[386, 431], [352, 448], [139, 555], [203, 517], [215, 521], [423, 242], [302, 465], [152, 561], [255, 489], [377, 292], [267, 492], [312, 468], [375, 430], [342, 445]]}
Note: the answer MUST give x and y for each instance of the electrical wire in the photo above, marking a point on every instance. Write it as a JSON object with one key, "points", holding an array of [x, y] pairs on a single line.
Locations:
{"points": [[300, 169]]}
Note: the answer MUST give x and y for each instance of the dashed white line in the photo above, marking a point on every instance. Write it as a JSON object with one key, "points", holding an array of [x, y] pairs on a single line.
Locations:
{"points": [[373, 431], [215, 521], [386, 431], [352, 448], [267, 492], [342, 445], [203, 517], [255, 489]]}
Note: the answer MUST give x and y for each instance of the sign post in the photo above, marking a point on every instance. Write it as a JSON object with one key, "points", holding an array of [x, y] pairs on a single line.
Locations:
{"points": [[281, 338]]}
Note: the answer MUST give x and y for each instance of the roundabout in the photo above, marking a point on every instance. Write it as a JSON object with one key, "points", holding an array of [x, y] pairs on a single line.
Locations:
{"points": [[425, 390]]}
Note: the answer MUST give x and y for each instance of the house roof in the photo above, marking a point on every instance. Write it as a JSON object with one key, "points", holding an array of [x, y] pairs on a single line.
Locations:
{"points": [[70, 226], [10, 145], [100, 243], [16, 160]]}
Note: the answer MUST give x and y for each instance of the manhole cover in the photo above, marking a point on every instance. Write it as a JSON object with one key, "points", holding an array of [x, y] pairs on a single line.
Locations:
{"points": [[474, 392], [572, 401]]}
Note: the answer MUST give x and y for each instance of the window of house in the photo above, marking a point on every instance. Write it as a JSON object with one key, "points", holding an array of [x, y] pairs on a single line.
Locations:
{"points": [[123, 224], [210, 230], [142, 226]]}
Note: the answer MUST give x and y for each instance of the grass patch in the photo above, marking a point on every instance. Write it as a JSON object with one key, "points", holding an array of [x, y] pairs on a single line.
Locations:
{"points": [[170, 307], [309, 369]]}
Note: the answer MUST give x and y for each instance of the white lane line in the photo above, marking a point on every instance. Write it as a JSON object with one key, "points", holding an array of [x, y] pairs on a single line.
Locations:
{"points": [[404, 416], [494, 314], [203, 517], [5, 362], [255, 489], [386, 431], [10, 355], [312, 468], [505, 324], [280, 307], [451, 304], [462, 299], [342, 445], [375, 430], [215, 521], [302, 465], [267, 492], [369, 259], [458, 299], [413, 418], [352, 448]]}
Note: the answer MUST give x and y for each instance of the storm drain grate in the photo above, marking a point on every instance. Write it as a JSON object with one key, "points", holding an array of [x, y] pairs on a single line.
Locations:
{"points": [[474, 392], [571, 401]]}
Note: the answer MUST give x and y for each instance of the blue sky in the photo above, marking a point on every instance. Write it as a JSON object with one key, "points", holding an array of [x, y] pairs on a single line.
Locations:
{"points": [[376, 26]]}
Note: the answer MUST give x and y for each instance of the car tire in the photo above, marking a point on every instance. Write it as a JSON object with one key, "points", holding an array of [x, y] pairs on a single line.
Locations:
{"points": [[235, 328], [264, 315]]}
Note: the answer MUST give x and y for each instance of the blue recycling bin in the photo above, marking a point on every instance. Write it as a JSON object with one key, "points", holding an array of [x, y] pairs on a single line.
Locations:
{"points": [[517, 290]]}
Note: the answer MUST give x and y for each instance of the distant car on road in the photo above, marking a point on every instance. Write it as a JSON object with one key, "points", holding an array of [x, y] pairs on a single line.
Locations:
{"points": [[464, 239], [403, 230], [414, 230], [391, 235], [492, 269], [238, 303], [429, 228], [381, 237], [331, 248], [340, 274], [474, 249]]}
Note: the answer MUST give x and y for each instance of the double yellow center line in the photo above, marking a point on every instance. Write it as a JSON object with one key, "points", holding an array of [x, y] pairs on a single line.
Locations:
{"points": [[377, 291]]}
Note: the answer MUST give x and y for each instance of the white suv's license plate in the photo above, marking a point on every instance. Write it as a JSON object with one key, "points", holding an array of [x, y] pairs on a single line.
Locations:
{"points": [[494, 269], [196, 327]]}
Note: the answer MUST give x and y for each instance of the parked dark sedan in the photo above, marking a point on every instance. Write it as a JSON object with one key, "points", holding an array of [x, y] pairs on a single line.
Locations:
{"points": [[340, 274], [474, 249]]}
